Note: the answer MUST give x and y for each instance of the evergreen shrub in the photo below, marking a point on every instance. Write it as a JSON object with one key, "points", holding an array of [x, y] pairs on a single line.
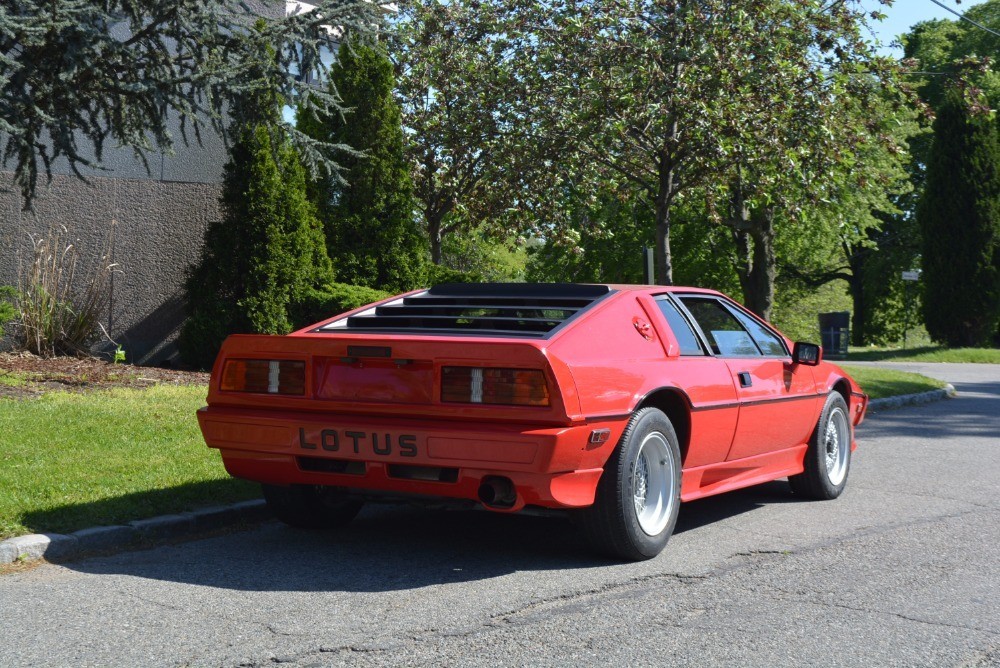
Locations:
{"points": [[265, 253], [268, 249], [371, 231], [317, 304], [437, 274], [959, 217]]}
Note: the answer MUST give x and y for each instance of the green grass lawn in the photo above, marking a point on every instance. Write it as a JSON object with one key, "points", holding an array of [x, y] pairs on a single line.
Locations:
{"points": [[926, 354], [880, 383], [74, 460]]}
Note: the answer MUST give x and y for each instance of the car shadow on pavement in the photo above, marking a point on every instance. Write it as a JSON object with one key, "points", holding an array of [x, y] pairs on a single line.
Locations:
{"points": [[395, 548], [696, 514]]}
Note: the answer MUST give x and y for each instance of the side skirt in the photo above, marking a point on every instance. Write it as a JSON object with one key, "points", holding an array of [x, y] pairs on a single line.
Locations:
{"points": [[726, 476]]}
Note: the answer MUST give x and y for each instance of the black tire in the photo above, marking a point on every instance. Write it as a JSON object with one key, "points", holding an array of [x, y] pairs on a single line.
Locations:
{"points": [[311, 506], [828, 458], [613, 524]]}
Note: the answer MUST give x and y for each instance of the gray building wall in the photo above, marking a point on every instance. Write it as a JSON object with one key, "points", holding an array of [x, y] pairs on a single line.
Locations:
{"points": [[156, 230], [156, 220]]}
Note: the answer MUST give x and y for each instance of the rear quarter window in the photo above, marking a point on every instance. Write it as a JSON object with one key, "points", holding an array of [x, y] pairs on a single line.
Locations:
{"points": [[686, 338]]}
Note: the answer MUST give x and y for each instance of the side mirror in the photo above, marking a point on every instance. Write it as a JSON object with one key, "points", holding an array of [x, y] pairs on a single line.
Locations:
{"points": [[807, 353]]}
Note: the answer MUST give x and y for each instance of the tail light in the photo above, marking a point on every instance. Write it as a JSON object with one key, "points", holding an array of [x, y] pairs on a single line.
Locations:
{"points": [[264, 376], [476, 385]]}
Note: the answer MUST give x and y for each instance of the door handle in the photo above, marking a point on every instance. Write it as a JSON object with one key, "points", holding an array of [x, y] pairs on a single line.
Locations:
{"points": [[745, 379]]}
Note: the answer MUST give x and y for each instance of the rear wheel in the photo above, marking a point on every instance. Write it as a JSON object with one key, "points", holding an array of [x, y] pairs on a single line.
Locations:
{"points": [[828, 458], [311, 506], [638, 496]]}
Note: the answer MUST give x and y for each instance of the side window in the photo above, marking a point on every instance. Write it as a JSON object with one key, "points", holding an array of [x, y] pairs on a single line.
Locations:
{"points": [[686, 337], [768, 343], [725, 333]]}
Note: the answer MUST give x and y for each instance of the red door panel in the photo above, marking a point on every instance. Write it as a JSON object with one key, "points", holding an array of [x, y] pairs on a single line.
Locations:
{"points": [[777, 405]]}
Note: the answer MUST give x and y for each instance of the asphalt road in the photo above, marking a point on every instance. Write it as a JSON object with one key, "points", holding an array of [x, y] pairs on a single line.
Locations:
{"points": [[902, 570]]}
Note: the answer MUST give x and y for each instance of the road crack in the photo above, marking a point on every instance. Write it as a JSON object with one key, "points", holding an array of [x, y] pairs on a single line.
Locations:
{"points": [[791, 597]]}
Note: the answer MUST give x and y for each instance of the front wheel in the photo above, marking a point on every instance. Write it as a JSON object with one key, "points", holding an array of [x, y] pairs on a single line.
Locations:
{"points": [[638, 496], [311, 506], [828, 458]]}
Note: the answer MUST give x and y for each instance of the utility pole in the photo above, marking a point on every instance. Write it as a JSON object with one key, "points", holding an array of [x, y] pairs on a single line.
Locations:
{"points": [[909, 277], [647, 265]]}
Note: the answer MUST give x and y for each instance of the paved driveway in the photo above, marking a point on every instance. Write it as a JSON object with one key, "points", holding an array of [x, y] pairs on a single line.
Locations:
{"points": [[901, 571]]}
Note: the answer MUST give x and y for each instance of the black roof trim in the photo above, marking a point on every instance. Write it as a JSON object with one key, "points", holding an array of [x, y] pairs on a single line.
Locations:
{"points": [[524, 290], [492, 300]]}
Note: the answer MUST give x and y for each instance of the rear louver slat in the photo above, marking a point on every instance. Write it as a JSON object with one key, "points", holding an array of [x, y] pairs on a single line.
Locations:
{"points": [[478, 310], [486, 301], [494, 309], [457, 321]]}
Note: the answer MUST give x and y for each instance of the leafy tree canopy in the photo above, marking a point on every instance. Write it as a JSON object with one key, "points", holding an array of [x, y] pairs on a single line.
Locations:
{"points": [[945, 50], [691, 98], [460, 107]]}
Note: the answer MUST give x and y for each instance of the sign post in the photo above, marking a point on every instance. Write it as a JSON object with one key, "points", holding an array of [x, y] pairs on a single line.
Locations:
{"points": [[647, 264], [908, 277]]}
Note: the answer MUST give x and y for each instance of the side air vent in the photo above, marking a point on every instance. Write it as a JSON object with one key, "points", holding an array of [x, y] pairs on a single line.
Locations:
{"points": [[494, 309]]}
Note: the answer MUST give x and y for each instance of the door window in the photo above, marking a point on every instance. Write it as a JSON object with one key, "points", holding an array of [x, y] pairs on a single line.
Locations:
{"points": [[724, 332], [766, 340]]}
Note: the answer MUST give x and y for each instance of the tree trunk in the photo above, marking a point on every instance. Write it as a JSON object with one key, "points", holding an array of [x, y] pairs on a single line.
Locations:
{"points": [[664, 199], [431, 199], [744, 258], [754, 239], [664, 262], [434, 232], [859, 324]]}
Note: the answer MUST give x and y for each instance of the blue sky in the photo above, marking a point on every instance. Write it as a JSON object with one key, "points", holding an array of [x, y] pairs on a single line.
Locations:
{"points": [[904, 13]]}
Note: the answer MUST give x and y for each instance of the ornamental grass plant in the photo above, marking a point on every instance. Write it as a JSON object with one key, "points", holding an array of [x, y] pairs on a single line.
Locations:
{"points": [[58, 303]]}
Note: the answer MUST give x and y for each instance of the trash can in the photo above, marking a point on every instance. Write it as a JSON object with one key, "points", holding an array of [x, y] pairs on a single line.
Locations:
{"points": [[835, 334]]}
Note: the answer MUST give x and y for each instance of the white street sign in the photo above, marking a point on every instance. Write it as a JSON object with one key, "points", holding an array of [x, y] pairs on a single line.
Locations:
{"points": [[911, 275]]}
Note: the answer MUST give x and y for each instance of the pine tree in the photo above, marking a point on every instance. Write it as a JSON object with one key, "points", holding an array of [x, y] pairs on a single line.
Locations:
{"points": [[959, 217], [77, 74], [371, 234], [268, 250]]}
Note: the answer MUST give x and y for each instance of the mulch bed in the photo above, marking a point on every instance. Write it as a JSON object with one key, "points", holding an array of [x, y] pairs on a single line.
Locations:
{"points": [[23, 375]]}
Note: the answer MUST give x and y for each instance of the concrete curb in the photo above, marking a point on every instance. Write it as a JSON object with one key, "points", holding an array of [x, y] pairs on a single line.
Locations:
{"points": [[67, 547], [887, 403]]}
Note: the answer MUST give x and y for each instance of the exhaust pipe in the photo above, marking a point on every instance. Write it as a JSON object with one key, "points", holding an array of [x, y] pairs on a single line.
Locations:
{"points": [[497, 492]]}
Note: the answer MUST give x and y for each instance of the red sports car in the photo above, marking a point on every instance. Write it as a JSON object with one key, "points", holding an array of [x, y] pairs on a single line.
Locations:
{"points": [[614, 402]]}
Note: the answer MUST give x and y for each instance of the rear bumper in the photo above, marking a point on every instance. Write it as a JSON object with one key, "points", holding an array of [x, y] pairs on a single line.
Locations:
{"points": [[554, 467]]}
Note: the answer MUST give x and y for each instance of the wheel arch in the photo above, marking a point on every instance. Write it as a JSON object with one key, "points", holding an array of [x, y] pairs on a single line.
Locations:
{"points": [[676, 405], [843, 386]]}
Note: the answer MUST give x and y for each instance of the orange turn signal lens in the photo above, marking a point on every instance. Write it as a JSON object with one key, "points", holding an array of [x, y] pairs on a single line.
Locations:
{"points": [[510, 387], [264, 376]]}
